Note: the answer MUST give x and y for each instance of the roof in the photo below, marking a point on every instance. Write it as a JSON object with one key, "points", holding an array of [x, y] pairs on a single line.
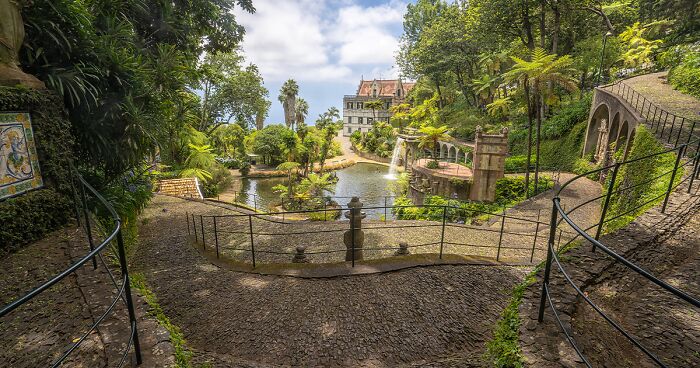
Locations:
{"points": [[386, 87]]}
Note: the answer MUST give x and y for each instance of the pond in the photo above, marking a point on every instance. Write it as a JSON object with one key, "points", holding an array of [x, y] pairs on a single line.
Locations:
{"points": [[365, 180]]}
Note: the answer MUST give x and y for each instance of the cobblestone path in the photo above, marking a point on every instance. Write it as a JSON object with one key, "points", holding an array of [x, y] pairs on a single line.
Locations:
{"points": [[655, 87], [667, 245], [438, 316], [39, 332]]}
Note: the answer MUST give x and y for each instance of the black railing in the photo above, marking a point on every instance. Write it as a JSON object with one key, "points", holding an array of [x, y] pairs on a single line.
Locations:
{"points": [[263, 237], [85, 198], [686, 147], [670, 128]]}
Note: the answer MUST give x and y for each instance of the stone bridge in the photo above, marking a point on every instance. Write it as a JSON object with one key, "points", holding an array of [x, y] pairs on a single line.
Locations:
{"points": [[612, 123]]}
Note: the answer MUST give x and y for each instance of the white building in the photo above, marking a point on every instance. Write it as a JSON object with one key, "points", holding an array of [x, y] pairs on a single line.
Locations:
{"points": [[356, 117]]}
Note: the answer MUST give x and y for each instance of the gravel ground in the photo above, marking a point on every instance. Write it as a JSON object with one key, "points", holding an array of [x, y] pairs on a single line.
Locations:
{"points": [[438, 316]]}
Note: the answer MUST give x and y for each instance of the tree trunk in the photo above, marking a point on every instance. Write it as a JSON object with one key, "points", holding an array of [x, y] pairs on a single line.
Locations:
{"points": [[538, 108], [527, 26], [557, 26], [529, 139], [543, 24]]}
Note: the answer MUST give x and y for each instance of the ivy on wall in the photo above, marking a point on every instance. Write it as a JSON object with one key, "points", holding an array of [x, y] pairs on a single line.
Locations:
{"points": [[28, 217]]}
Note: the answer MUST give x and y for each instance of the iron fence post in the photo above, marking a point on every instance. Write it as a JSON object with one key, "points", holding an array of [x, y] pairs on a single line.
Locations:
{"points": [[500, 235], [201, 223], [194, 226], [694, 173], [255, 202], [692, 129], [187, 219], [442, 234], [76, 199], [88, 227], [548, 263], [252, 242], [216, 238], [352, 234], [670, 132], [653, 119], [680, 130], [537, 230], [127, 290], [606, 203], [385, 214], [673, 178]]}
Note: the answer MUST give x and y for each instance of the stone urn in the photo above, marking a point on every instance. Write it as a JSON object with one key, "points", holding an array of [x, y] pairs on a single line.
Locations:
{"points": [[11, 39]]}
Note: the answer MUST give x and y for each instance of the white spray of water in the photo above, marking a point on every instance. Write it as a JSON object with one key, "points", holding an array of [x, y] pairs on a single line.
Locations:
{"points": [[394, 160]]}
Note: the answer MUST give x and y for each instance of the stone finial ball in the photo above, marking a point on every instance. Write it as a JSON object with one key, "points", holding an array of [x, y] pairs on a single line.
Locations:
{"points": [[479, 129], [301, 249]]}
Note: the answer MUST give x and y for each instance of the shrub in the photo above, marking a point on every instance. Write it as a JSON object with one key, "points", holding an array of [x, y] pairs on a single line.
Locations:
{"points": [[432, 165], [220, 180], [686, 76], [516, 163]]}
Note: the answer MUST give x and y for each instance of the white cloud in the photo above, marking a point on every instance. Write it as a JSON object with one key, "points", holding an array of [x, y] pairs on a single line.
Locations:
{"points": [[320, 40]]}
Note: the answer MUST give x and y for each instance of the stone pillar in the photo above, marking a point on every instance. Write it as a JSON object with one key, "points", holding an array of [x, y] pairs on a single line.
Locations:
{"points": [[490, 152], [355, 215], [603, 135]]}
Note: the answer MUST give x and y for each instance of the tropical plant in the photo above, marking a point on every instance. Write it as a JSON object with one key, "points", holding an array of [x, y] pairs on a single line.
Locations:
{"points": [[430, 137], [499, 107], [639, 49], [538, 76], [199, 163], [374, 105], [289, 167]]}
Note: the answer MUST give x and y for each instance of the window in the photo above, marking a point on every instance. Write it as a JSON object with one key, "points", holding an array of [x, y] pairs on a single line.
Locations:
{"points": [[398, 93], [359, 120], [349, 105], [388, 105], [360, 105], [349, 130], [349, 119], [370, 120]]}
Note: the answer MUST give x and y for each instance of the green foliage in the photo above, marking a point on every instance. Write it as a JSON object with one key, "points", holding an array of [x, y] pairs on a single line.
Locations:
{"points": [[121, 70], [432, 165], [636, 182], [220, 180], [269, 143], [183, 355], [685, 77], [503, 350], [509, 191], [30, 216]]}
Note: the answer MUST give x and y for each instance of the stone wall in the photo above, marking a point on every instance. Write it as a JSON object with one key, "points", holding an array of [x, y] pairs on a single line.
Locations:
{"points": [[183, 187]]}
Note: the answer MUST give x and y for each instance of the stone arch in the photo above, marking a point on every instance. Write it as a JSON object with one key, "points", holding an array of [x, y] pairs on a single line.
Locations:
{"points": [[452, 154], [600, 117], [622, 137], [444, 150], [614, 130]]}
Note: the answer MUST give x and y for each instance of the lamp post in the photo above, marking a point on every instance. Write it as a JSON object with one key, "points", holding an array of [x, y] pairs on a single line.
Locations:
{"points": [[602, 57]]}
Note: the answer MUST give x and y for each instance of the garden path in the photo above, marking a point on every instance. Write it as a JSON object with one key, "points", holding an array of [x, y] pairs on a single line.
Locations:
{"points": [[655, 87]]}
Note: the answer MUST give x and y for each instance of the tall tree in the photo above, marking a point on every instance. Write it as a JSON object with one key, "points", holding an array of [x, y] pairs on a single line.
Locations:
{"points": [[288, 96], [301, 111], [541, 72]]}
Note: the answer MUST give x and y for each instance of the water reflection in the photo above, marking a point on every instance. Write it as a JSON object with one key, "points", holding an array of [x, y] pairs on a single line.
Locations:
{"points": [[364, 180]]}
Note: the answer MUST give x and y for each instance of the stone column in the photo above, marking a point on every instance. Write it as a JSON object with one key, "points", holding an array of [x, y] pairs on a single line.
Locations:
{"points": [[355, 215], [490, 151]]}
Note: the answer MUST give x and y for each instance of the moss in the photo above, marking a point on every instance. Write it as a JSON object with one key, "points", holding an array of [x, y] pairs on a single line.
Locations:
{"points": [[183, 355], [503, 350]]}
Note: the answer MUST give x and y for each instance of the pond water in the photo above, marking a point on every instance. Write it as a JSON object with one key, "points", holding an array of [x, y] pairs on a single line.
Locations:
{"points": [[364, 180]]}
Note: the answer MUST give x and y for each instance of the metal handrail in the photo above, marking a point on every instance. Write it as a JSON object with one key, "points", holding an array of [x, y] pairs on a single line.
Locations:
{"points": [[124, 291], [681, 150]]}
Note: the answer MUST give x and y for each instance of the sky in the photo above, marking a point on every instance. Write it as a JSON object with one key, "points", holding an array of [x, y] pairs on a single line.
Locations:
{"points": [[327, 46]]}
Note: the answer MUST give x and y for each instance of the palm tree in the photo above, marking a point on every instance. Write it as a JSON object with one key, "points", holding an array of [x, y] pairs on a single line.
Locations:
{"points": [[288, 95], [301, 111], [431, 136], [539, 75], [199, 162], [374, 106]]}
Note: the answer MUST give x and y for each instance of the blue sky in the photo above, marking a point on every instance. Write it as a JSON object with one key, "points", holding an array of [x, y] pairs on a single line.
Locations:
{"points": [[325, 45]]}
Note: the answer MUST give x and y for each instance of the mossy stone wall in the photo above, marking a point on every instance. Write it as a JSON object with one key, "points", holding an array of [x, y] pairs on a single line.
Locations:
{"points": [[31, 215]]}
